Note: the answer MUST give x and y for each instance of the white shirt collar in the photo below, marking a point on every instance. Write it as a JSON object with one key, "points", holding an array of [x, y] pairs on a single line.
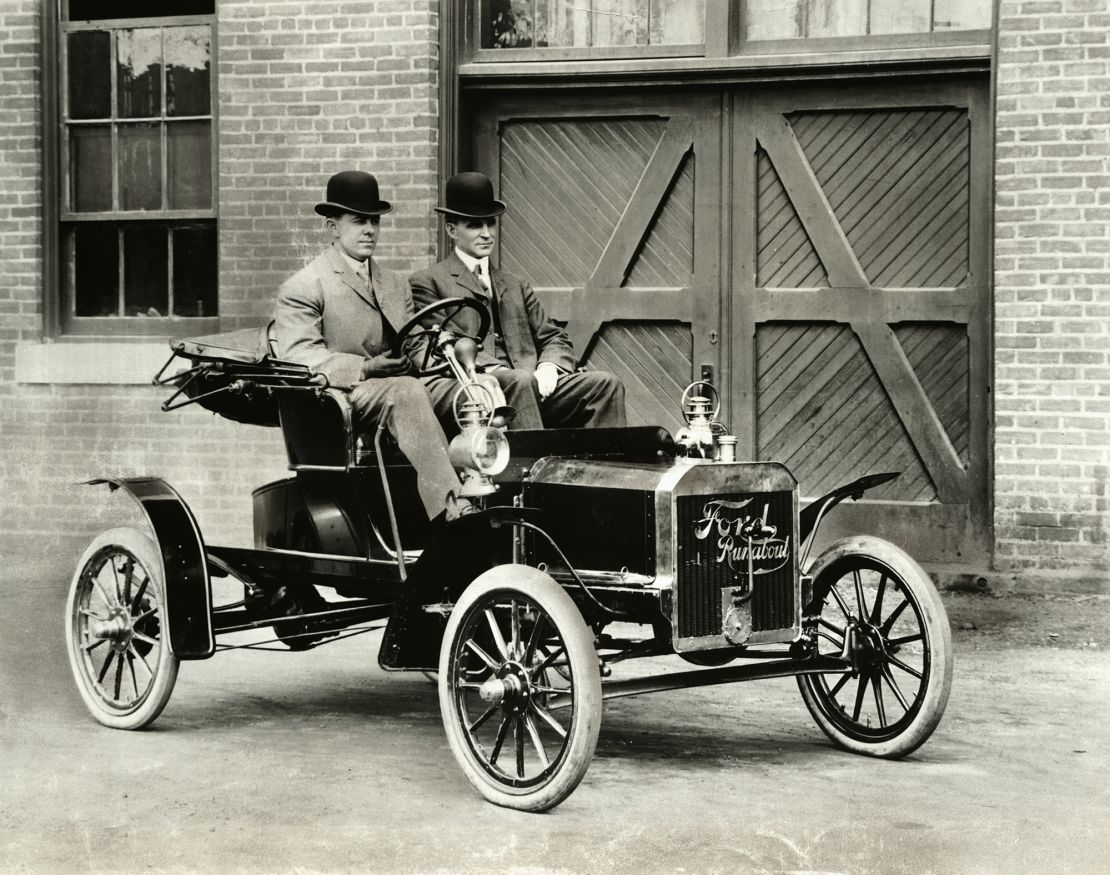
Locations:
{"points": [[471, 262], [354, 262]]}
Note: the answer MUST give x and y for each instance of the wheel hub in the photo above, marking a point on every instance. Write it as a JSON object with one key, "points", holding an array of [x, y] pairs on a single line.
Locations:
{"points": [[867, 645], [510, 687], [116, 629]]}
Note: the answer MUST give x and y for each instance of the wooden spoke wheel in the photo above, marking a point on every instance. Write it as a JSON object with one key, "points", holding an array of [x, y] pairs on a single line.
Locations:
{"points": [[520, 688], [116, 632], [880, 607]]}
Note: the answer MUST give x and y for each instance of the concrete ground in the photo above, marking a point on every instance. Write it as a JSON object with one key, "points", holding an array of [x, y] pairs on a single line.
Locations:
{"points": [[321, 762]]}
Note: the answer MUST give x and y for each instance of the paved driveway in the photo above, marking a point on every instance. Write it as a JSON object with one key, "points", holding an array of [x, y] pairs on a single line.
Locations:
{"points": [[321, 762]]}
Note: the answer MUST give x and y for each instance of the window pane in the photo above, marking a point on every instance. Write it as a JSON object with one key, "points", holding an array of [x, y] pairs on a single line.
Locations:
{"points": [[145, 272], [96, 270], [677, 22], [139, 73], [961, 14], [561, 24], [187, 66], [841, 17], [88, 59], [619, 23], [189, 174], [194, 271], [93, 10], [584, 23], [90, 168], [774, 19], [140, 167], [900, 16]]}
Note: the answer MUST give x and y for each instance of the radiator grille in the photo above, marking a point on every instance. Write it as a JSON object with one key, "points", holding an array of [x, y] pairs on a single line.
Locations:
{"points": [[706, 565]]}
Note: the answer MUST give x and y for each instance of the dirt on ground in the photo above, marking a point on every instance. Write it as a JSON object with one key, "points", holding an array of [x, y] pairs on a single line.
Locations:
{"points": [[1029, 620]]}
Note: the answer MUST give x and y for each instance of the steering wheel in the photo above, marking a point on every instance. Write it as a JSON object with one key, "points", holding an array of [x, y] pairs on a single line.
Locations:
{"points": [[415, 329]]}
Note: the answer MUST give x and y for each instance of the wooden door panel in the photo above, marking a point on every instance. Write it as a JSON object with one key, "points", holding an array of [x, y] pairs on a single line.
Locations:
{"points": [[825, 415], [785, 256], [897, 182], [567, 182], [865, 301], [653, 360], [605, 202]]}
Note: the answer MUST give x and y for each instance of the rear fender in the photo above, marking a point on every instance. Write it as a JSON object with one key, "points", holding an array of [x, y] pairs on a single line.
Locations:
{"points": [[184, 564], [811, 515], [460, 552]]}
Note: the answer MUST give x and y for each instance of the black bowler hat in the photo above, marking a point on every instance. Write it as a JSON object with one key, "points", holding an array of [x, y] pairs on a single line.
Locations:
{"points": [[470, 195], [353, 191]]}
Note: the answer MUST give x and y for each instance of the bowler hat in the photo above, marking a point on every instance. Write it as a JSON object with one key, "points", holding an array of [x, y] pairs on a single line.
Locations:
{"points": [[353, 191], [470, 195]]}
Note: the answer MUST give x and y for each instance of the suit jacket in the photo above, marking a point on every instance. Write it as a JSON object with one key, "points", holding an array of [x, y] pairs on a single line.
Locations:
{"points": [[325, 318], [530, 337]]}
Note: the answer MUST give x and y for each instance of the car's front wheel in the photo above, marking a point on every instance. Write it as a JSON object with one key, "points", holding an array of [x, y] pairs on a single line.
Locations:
{"points": [[520, 688], [879, 607]]}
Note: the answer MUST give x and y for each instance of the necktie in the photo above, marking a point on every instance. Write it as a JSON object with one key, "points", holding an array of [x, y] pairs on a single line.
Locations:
{"points": [[363, 274], [482, 280], [495, 310]]}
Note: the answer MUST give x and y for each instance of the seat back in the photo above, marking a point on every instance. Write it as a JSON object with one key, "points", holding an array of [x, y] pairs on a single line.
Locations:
{"points": [[316, 426]]}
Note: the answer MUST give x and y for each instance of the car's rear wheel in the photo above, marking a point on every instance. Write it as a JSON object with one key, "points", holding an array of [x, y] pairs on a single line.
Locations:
{"points": [[520, 688], [879, 605], [116, 633]]}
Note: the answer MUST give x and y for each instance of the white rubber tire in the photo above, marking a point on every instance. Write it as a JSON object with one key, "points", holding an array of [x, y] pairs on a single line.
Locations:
{"points": [[102, 703], [585, 721], [928, 707]]}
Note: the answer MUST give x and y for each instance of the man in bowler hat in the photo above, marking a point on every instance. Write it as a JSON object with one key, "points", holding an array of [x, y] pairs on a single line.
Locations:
{"points": [[530, 355], [339, 316]]}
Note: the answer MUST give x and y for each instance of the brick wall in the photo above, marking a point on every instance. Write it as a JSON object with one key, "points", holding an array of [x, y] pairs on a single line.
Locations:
{"points": [[20, 182], [307, 90], [304, 90], [1052, 276]]}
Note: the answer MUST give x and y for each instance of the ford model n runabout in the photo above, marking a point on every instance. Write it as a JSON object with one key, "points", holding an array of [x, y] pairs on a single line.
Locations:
{"points": [[592, 547]]}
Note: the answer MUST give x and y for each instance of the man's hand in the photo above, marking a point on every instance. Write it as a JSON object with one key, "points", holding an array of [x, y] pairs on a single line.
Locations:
{"points": [[386, 365], [547, 376]]}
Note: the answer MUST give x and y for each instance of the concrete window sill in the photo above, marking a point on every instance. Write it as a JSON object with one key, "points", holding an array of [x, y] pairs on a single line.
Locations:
{"points": [[101, 362]]}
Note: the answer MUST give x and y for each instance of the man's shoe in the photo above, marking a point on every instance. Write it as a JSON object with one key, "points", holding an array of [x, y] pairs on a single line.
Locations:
{"points": [[457, 507], [502, 416]]}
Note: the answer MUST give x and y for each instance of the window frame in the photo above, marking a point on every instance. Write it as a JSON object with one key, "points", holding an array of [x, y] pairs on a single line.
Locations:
{"points": [[59, 293], [725, 45]]}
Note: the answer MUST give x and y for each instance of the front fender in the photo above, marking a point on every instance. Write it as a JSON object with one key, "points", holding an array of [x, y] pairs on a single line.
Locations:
{"points": [[460, 552], [184, 564], [812, 514]]}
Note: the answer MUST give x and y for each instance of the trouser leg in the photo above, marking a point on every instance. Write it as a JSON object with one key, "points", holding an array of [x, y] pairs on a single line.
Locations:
{"points": [[585, 399], [520, 392], [405, 407], [443, 391]]}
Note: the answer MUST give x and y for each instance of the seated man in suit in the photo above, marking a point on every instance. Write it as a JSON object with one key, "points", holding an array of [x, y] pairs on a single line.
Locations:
{"points": [[339, 316], [530, 355]]}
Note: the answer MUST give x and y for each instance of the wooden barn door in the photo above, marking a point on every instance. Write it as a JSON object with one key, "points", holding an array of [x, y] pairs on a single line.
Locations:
{"points": [[614, 212], [860, 302]]}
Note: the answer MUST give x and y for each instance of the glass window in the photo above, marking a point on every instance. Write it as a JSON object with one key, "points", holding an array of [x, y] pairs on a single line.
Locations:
{"points": [[812, 19], [523, 24], [138, 214]]}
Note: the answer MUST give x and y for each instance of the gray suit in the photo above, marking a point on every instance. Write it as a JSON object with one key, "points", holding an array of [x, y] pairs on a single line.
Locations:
{"points": [[327, 319], [528, 337]]}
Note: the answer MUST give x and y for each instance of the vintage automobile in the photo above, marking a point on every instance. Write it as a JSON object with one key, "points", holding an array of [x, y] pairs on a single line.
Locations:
{"points": [[593, 547]]}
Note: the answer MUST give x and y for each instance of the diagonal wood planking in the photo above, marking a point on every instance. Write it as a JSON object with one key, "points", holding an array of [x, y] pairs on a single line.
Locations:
{"points": [[819, 219]]}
